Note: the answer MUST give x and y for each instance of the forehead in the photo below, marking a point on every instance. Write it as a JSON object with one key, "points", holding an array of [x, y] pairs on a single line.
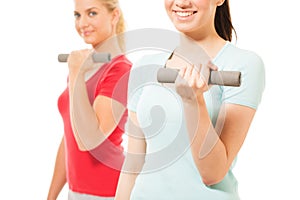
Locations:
{"points": [[82, 5]]}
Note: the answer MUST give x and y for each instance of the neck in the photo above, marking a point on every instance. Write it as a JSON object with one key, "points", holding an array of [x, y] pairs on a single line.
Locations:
{"points": [[110, 45], [210, 41]]}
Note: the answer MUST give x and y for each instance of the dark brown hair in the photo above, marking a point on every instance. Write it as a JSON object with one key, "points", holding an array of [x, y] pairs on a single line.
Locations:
{"points": [[223, 24]]}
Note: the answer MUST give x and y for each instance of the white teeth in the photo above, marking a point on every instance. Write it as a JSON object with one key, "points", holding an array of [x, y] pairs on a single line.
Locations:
{"points": [[184, 14]]}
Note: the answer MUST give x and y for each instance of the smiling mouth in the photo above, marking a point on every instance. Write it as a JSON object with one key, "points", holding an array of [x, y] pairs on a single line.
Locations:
{"points": [[185, 13]]}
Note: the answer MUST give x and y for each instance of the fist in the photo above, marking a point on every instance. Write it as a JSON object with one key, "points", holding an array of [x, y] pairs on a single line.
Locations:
{"points": [[80, 61], [193, 81]]}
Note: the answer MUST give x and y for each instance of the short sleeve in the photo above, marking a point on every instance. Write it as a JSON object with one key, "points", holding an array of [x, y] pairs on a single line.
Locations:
{"points": [[114, 83], [252, 82]]}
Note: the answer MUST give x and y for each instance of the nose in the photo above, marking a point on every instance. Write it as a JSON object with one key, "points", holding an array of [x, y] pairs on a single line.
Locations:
{"points": [[182, 3], [83, 21]]}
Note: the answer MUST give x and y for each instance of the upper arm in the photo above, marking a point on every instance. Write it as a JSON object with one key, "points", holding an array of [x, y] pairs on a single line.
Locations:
{"points": [[250, 92], [109, 113], [111, 96], [240, 103], [233, 124]]}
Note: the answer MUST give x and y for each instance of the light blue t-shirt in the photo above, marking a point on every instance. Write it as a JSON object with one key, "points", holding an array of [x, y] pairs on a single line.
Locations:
{"points": [[169, 171]]}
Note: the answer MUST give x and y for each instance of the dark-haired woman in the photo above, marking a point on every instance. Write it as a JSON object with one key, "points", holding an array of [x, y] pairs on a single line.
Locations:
{"points": [[191, 155]]}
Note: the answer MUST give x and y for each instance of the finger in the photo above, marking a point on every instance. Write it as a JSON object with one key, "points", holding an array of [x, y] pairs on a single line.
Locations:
{"points": [[180, 78], [198, 77], [188, 72], [201, 82], [205, 73], [194, 77], [182, 71], [90, 52], [212, 66]]}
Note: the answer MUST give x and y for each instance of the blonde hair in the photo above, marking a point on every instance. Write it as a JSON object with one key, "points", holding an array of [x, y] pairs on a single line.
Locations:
{"points": [[121, 26]]}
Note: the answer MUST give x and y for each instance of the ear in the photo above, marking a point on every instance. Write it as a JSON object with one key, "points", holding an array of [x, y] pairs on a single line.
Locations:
{"points": [[115, 16], [220, 2]]}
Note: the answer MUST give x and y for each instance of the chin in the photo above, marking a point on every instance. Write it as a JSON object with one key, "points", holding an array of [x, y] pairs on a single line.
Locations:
{"points": [[183, 28], [88, 40]]}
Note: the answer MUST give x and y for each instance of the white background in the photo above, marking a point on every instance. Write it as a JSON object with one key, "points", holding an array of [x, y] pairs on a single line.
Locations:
{"points": [[33, 32]]}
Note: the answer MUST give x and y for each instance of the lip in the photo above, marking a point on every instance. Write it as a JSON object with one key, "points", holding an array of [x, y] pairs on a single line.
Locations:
{"points": [[184, 15], [86, 33]]}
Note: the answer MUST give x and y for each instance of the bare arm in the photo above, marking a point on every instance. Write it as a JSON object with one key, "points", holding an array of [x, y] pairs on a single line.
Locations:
{"points": [[213, 148], [59, 175], [91, 124], [134, 160]]}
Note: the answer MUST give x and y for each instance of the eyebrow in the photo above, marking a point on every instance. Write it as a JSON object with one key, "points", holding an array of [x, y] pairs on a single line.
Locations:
{"points": [[87, 10]]}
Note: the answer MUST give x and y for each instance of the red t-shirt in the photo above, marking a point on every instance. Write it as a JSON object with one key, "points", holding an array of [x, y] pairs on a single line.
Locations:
{"points": [[96, 172]]}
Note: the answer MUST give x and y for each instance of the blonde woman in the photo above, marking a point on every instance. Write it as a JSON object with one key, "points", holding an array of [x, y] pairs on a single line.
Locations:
{"points": [[93, 107]]}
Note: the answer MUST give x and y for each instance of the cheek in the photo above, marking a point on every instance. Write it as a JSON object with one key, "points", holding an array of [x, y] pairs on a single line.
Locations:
{"points": [[77, 27], [103, 30], [204, 4], [168, 4], [103, 27]]}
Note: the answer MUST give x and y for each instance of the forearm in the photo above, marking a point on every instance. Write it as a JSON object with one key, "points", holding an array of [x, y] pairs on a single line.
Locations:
{"points": [[125, 185], [85, 124], [59, 175], [135, 158], [209, 152], [131, 169]]}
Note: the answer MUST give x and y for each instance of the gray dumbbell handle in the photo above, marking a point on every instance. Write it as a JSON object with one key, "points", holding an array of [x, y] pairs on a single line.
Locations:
{"points": [[225, 78], [97, 57]]}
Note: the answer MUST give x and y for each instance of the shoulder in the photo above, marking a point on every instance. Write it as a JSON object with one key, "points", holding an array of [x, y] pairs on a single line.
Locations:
{"points": [[252, 69], [238, 59], [118, 67], [121, 61], [242, 56], [119, 64]]}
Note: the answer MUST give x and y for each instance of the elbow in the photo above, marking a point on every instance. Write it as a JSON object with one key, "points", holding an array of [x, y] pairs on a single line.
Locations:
{"points": [[210, 180], [212, 175], [81, 148], [80, 145], [134, 164], [90, 143]]}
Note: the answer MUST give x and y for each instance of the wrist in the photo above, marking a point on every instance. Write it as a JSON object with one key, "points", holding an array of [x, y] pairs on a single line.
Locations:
{"points": [[52, 196], [200, 99]]}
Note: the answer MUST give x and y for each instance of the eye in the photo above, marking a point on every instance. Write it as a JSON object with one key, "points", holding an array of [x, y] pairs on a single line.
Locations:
{"points": [[76, 15], [92, 13]]}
